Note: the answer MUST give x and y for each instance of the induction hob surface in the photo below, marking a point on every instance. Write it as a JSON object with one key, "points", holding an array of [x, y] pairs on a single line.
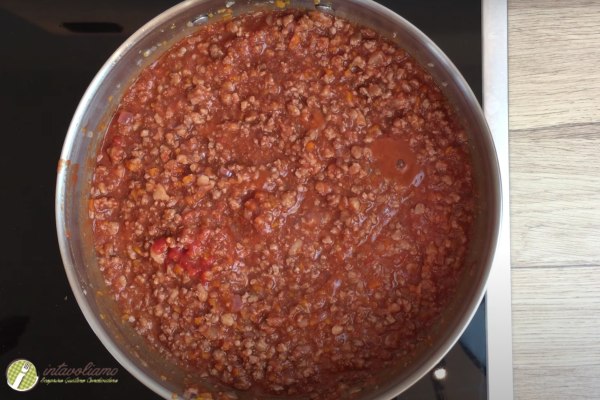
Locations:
{"points": [[49, 58]]}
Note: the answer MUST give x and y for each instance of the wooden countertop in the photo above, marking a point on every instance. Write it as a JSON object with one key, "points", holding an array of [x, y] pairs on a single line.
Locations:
{"points": [[554, 117]]}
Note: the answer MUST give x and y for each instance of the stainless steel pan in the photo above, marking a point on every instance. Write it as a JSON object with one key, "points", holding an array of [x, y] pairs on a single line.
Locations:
{"points": [[89, 125]]}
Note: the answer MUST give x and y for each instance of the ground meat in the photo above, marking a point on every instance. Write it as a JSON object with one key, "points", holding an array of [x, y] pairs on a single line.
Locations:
{"points": [[283, 202]]}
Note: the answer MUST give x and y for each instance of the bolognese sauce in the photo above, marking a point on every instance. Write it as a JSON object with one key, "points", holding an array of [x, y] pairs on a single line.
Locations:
{"points": [[282, 202]]}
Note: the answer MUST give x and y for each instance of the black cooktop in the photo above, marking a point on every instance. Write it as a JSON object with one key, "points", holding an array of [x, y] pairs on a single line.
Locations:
{"points": [[50, 52]]}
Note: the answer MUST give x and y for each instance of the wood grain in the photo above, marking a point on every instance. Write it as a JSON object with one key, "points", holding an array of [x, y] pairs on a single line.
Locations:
{"points": [[554, 54], [555, 196], [554, 118], [555, 331]]}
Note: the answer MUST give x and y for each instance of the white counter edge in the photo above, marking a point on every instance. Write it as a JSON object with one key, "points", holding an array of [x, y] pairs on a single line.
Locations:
{"points": [[495, 102]]}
